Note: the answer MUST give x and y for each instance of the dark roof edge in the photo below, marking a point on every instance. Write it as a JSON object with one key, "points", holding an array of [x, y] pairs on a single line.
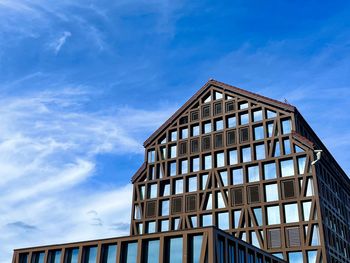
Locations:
{"points": [[224, 86], [139, 172]]}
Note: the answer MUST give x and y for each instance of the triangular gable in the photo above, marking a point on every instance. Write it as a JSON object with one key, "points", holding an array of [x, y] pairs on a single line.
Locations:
{"points": [[224, 87]]}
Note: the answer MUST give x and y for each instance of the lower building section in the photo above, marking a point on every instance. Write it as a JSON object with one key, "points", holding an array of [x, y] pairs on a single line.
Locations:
{"points": [[202, 245]]}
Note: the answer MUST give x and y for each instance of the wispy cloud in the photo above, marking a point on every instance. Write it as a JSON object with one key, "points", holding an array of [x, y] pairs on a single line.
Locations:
{"points": [[58, 44], [49, 144]]}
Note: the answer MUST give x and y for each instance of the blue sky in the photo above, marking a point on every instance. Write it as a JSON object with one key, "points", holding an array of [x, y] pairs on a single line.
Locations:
{"points": [[84, 83]]}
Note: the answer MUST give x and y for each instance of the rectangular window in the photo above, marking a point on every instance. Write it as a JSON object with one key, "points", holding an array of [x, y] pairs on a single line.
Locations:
{"points": [[109, 253], [184, 166], [287, 167], [152, 191], [165, 189], [151, 156], [195, 130], [53, 257], [257, 115], [90, 254], [207, 127], [258, 132], [38, 257], [164, 226], [223, 221], [206, 143], [243, 105], [191, 203], [174, 250], [192, 184], [207, 220], [183, 120], [172, 168], [184, 133], [246, 154], [259, 151], [173, 136], [194, 115], [195, 164], [173, 151], [244, 134], [218, 140], [291, 213], [269, 129], [207, 162], [217, 108], [287, 148], [151, 251], [237, 175], [286, 126], [273, 215], [220, 159], [182, 148], [253, 173], [164, 208], [179, 187], [195, 248], [129, 254], [224, 177], [271, 192], [194, 146], [230, 106], [253, 194], [243, 118], [231, 122], [233, 159], [270, 171], [219, 125], [206, 111], [270, 114], [71, 255], [231, 138]]}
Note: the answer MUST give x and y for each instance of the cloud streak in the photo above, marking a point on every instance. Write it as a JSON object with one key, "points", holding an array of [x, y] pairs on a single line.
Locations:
{"points": [[58, 44]]}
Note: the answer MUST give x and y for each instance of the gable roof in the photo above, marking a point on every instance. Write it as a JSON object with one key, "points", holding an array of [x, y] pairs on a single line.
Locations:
{"points": [[224, 87]]}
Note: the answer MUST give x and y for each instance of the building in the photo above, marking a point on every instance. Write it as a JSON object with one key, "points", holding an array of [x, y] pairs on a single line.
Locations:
{"points": [[246, 164]]}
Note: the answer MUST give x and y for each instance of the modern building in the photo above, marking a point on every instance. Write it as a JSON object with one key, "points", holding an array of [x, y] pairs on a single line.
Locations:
{"points": [[230, 168]]}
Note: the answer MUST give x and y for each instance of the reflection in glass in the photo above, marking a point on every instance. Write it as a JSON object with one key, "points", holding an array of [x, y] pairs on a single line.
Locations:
{"points": [[220, 160], [219, 125], [286, 144], [164, 225], [109, 253], [287, 167], [220, 200], [301, 165], [258, 132], [71, 255], [90, 254], [195, 248], [246, 154], [258, 215], [233, 157], [253, 173], [260, 151], [195, 164], [179, 186], [54, 256], [172, 168], [192, 184], [295, 257], [184, 166], [151, 251], [270, 171], [174, 250], [207, 127], [207, 220], [130, 253], [257, 115], [271, 192], [244, 118], [291, 213], [237, 175], [38, 257], [165, 207], [224, 177], [286, 126], [237, 216], [207, 162], [223, 221], [231, 122], [273, 215], [195, 130], [312, 256], [306, 210]]}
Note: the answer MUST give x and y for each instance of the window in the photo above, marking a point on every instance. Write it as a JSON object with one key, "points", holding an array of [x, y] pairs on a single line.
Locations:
{"points": [[206, 111], [315, 239], [270, 114], [183, 120], [269, 129], [206, 143], [173, 136], [231, 122], [259, 151], [233, 159], [243, 118], [90, 254], [165, 189], [258, 132], [253, 194], [207, 127], [217, 95], [286, 126], [273, 215], [291, 213], [295, 257], [306, 210], [176, 208], [246, 154], [236, 196], [195, 130], [129, 254], [195, 248], [209, 202], [151, 209], [204, 179], [230, 106], [173, 151], [184, 133], [194, 115], [244, 134], [195, 164], [258, 215], [182, 148], [223, 221], [207, 220], [150, 227], [151, 156], [142, 192], [237, 175], [287, 168], [207, 162], [288, 189], [71, 255], [224, 177], [191, 203], [218, 140], [257, 115], [179, 186], [219, 125], [231, 137], [152, 191], [151, 251], [164, 207], [312, 256], [54, 257], [172, 168], [194, 146], [164, 226], [271, 192], [174, 250], [184, 166], [254, 240], [301, 165], [109, 253], [220, 159], [237, 216], [192, 184], [217, 108], [38, 257], [193, 221], [276, 149], [253, 173], [220, 203], [243, 105], [270, 171], [286, 144], [163, 153]]}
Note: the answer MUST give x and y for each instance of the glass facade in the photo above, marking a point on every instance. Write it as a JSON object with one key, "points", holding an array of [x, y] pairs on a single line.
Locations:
{"points": [[109, 253], [151, 251], [271, 192], [54, 256], [130, 253], [175, 250], [273, 215], [71, 255], [196, 248], [90, 255]]}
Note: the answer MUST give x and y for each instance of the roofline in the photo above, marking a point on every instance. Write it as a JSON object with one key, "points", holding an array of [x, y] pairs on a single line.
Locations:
{"points": [[139, 172], [224, 86]]}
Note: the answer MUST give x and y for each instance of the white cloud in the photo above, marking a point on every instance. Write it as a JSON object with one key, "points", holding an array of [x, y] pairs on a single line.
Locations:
{"points": [[58, 44], [50, 189]]}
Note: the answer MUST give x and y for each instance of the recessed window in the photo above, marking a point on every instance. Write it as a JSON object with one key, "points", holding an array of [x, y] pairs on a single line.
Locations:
{"points": [[244, 135], [218, 140], [217, 108], [172, 168], [219, 125], [271, 192], [194, 145], [246, 154], [258, 132], [230, 106], [253, 173], [192, 184], [204, 179], [233, 159], [231, 122], [150, 251], [217, 95], [163, 153], [71, 256], [270, 171], [287, 167], [173, 136], [164, 208], [109, 252], [259, 151], [174, 249], [207, 162], [165, 189], [243, 105], [258, 215], [184, 133], [220, 159], [286, 145], [183, 148], [193, 221], [273, 215], [38, 257], [223, 221], [236, 217], [276, 149], [291, 213], [206, 111], [195, 164], [179, 186], [152, 191], [195, 130], [184, 166], [224, 177], [270, 114], [207, 220], [257, 115], [237, 176], [194, 115], [244, 118], [142, 192], [55, 256], [164, 225], [301, 165], [207, 127], [231, 137], [269, 130], [151, 156], [173, 151], [306, 210], [286, 126], [206, 143], [296, 257]]}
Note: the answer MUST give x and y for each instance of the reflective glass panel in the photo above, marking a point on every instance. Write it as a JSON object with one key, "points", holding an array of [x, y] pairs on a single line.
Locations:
{"points": [[195, 130], [246, 154], [184, 167], [109, 253], [271, 192], [90, 254], [287, 167], [152, 191], [253, 173], [219, 125], [130, 255], [286, 126], [257, 115], [224, 177], [207, 220], [295, 257], [244, 118], [223, 221], [173, 136], [220, 160], [196, 248], [71, 255], [195, 164], [207, 162], [173, 151], [273, 215], [165, 207], [260, 151], [207, 127], [258, 132], [231, 122], [237, 216], [175, 250], [233, 157], [172, 168], [184, 133], [237, 175], [258, 215], [192, 184], [179, 186], [270, 171], [291, 213], [151, 251], [54, 256]]}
